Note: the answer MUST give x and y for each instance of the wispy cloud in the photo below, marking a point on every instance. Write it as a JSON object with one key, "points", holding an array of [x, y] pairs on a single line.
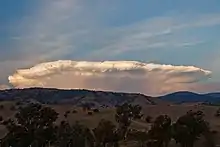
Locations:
{"points": [[61, 28], [44, 35], [48, 34], [158, 32]]}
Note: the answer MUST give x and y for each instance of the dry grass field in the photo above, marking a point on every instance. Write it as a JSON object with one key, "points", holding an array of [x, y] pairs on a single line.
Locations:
{"points": [[174, 111]]}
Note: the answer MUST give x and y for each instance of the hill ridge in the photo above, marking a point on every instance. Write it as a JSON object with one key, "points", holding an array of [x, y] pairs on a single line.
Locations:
{"points": [[110, 98]]}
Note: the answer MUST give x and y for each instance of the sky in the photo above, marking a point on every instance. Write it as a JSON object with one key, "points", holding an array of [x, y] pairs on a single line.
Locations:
{"points": [[165, 32]]}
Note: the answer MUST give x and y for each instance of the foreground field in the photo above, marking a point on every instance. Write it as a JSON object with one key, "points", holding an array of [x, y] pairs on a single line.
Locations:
{"points": [[92, 120]]}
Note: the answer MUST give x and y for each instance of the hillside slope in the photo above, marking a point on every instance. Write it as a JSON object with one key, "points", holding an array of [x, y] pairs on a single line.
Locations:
{"points": [[75, 97], [190, 97]]}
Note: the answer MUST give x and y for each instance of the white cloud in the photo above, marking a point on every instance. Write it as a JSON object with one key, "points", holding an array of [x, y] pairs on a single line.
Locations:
{"points": [[62, 27], [125, 76], [45, 34]]}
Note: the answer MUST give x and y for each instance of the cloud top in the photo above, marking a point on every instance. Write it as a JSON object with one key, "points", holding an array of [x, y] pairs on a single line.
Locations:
{"points": [[109, 75]]}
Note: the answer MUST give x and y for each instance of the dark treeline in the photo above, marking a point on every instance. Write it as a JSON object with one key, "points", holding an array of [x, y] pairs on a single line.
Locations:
{"points": [[34, 126]]}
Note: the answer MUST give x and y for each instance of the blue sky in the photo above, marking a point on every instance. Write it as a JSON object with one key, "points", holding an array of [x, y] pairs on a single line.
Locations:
{"points": [[177, 32]]}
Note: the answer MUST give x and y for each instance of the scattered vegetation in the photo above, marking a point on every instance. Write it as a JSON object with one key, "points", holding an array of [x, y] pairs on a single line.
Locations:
{"points": [[34, 125]]}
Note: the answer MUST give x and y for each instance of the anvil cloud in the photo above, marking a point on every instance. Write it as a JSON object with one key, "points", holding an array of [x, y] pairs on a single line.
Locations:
{"points": [[132, 76]]}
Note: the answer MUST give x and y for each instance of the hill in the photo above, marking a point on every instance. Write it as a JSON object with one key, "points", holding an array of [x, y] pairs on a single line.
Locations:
{"points": [[75, 97], [190, 97], [103, 98]]}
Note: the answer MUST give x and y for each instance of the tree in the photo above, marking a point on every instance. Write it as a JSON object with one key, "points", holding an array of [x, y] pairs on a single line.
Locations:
{"points": [[160, 132], [209, 138], [74, 136], [124, 115], [189, 128], [33, 125], [140, 136], [105, 133]]}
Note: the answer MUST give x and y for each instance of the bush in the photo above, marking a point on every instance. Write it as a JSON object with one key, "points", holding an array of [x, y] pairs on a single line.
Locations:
{"points": [[217, 114], [1, 107], [139, 116], [18, 103], [65, 115], [96, 110], [90, 113], [74, 111], [148, 119]]}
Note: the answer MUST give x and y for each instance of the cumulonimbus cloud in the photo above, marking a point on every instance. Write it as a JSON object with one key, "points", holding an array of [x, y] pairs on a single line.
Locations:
{"points": [[125, 76]]}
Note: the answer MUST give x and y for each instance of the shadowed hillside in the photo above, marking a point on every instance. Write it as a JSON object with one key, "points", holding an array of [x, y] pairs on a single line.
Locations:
{"points": [[75, 97], [100, 98], [190, 97]]}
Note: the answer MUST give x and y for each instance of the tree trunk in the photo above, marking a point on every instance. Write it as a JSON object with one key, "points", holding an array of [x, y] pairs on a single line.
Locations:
{"points": [[116, 144]]}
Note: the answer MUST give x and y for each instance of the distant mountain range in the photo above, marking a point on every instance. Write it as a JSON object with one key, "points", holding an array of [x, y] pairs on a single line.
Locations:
{"points": [[190, 97], [101, 98]]}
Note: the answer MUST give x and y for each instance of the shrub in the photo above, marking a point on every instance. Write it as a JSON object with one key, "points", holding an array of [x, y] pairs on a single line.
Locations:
{"points": [[18, 103], [65, 115], [148, 119], [96, 110], [139, 116], [217, 114], [90, 113], [1, 107], [74, 111]]}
